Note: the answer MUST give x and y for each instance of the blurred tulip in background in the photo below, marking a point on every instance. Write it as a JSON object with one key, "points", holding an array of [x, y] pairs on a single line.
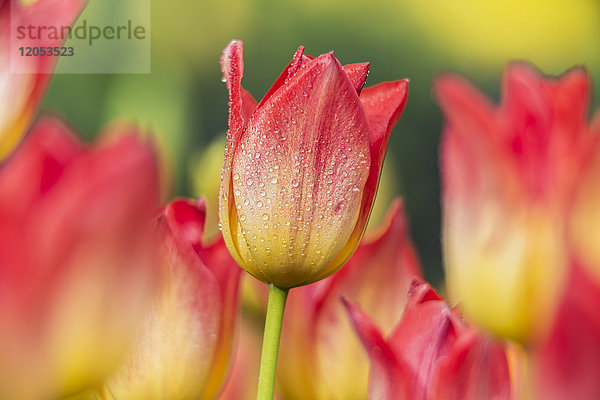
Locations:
{"points": [[184, 348], [509, 177], [76, 257]]}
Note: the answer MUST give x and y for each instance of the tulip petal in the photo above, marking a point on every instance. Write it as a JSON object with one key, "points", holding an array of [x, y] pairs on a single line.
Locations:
{"points": [[297, 62], [232, 64], [242, 384], [357, 73], [217, 258], [528, 121], [178, 353], [297, 370], [390, 378], [475, 369], [383, 105], [50, 149], [427, 331], [567, 364], [315, 117], [21, 93]]}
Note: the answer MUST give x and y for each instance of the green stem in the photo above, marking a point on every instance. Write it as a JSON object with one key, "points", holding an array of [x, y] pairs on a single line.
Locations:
{"points": [[270, 348]]}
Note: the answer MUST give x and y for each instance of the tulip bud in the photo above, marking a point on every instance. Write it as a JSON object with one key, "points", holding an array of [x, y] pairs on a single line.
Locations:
{"points": [[508, 181], [301, 168]]}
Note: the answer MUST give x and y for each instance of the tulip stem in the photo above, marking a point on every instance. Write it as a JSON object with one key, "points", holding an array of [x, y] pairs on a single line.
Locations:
{"points": [[270, 348]]}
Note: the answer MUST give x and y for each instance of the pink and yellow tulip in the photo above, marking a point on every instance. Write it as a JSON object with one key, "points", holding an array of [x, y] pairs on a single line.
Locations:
{"points": [[184, 348], [509, 177], [23, 80], [301, 168], [431, 354], [76, 258]]}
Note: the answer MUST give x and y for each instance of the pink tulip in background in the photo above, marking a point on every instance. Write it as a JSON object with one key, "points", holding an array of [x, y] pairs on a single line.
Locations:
{"points": [[77, 263]]}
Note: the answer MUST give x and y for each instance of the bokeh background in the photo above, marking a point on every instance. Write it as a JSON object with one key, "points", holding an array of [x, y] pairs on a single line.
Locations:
{"points": [[183, 102]]}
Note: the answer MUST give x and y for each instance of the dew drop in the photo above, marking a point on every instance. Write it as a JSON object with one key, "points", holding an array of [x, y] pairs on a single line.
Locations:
{"points": [[242, 217], [265, 216], [249, 182]]}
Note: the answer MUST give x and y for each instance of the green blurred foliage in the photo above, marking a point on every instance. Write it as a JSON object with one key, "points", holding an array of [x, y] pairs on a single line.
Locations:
{"points": [[185, 103]]}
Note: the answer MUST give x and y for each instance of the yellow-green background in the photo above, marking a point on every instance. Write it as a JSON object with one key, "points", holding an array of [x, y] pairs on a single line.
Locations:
{"points": [[184, 102]]}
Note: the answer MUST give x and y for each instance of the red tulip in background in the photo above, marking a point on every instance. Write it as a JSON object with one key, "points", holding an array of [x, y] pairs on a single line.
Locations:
{"points": [[509, 178], [20, 94], [521, 221], [566, 364], [184, 348], [431, 354], [301, 168], [76, 259]]}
